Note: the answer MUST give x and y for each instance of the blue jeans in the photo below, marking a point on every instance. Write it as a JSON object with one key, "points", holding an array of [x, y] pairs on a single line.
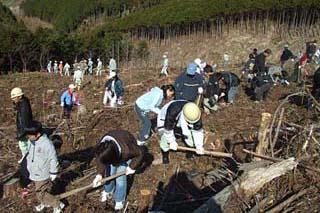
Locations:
{"points": [[144, 132], [119, 185], [232, 94]]}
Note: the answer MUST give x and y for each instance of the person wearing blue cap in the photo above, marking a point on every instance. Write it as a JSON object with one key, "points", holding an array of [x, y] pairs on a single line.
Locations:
{"points": [[189, 84]]}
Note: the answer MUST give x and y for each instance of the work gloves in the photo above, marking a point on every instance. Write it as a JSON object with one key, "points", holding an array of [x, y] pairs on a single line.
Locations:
{"points": [[170, 139], [53, 177], [97, 181], [200, 150], [62, 104], [130, 171], [200, 90], [173, 146]]}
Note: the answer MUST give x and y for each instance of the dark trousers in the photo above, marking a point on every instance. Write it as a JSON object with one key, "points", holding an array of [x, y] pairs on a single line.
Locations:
{"points": [[262, 91]]}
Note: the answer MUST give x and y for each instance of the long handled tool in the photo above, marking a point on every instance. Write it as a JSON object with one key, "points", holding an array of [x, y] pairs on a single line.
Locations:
{"points": [[212, 153], [76, 191]]}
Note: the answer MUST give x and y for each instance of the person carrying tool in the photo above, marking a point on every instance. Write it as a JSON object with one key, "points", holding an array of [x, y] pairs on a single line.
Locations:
{"points": [[42, 165], [23, 117], [180, 119], [117, 152], [150, 102]]}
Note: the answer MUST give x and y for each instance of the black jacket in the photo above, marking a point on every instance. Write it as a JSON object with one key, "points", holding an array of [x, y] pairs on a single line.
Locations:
{"points": [[24, 116], [186, 86], [230, 79], [172, 116], [316, 79], [286, 55], [259, 81], [260, 66], [212, 86], [109, 151]]}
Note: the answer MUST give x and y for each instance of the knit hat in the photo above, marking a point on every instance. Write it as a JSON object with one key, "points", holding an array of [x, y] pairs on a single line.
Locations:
{"points": [[192, 68]]}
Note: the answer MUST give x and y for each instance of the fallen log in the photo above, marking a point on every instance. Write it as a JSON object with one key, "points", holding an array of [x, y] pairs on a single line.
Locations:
{"points": [[212, 153], [76, 191], [247, 185]]}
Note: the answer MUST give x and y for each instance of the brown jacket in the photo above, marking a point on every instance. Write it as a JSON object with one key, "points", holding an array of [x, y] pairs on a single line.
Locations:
{"points": [[129, 150]]}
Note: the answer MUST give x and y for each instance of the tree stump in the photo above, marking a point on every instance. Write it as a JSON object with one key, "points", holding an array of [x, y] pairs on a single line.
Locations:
{"points": [[146, 197], [10, 188]]}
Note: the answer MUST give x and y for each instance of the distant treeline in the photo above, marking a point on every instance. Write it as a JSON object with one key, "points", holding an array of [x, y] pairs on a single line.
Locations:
{"points": [[175, 17], [67, 15], [23, 50], [159, 18]]}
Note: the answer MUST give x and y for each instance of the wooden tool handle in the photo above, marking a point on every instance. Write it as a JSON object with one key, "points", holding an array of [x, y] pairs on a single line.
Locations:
{"points": [[76, 191], [213, 153]]}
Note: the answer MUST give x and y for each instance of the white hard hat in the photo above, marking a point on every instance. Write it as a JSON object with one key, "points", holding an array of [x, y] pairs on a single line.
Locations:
{"points": [[191, 112], [98, 59], [197, 61], [78, 67], [16, 92], [71, 86], [164, 56], [60, 62], [112, 74]]}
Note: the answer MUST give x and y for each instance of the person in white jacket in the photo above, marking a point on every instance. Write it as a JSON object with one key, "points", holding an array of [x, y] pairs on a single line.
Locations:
{"points": [[66, 69], [49, 67], [150, 102], [99, 67], [165, 65], [78, 77], [180, 119], [42, 165]]}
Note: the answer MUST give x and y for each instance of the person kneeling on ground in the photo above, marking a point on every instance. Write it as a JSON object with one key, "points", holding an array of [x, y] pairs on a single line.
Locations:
{"points": [[229, 83], [212, 91], [180, 118], [42, 165], [114, 90], [261, 86], [116, 152], [150, 102]]}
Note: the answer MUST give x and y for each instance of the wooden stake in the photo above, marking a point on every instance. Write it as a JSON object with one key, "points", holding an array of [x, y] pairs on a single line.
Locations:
{"points": [[212, 153], [262, 136], [146, 196], [76, 191]]}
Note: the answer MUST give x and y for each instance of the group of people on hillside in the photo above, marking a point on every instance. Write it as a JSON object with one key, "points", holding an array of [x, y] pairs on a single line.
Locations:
{"points": [[80, 69], [176, 107]]}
